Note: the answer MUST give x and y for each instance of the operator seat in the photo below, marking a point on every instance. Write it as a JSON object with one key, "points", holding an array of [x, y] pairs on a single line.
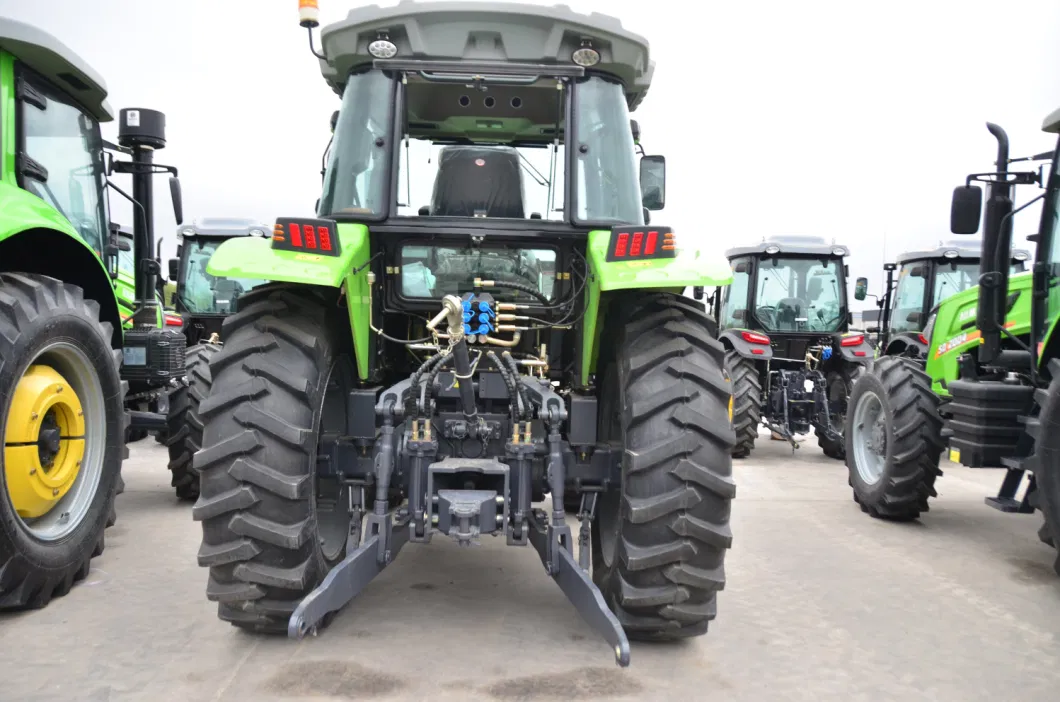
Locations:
{"points": [[478, 181], [788, 310]]}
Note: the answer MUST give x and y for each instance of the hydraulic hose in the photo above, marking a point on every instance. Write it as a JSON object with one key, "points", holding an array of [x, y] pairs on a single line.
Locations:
{"points": [[431, 377], [465, 384], [519, 386], [529, 290], [513, 393]]}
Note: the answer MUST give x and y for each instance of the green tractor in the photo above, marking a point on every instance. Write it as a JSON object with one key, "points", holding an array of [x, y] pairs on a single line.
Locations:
{"points": [[925, 279], [969, 385], [201, 302], [479, 318], [788, 346], [67, 351]]}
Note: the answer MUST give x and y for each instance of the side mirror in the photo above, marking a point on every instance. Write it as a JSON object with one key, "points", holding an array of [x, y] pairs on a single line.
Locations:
{"points": [[872, 330], [965, 209], [178, 202], [914, 318], [861, 287], [653, 182], [174, 268], [739, 314], [334, 120], [123, 244], [697, 292], [918, 272], [1043, 175], [740, 268]]}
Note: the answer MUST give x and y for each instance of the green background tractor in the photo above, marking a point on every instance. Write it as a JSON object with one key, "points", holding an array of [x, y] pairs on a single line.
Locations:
{"points": [[67, 355], [785, 326], [1006, 403], [928, 321], [480, 317], [202, 301]]}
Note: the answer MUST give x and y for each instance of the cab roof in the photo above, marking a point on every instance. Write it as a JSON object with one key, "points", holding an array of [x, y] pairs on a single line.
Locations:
{"points": [[1051, 123], [964, 248], [487, 32], [58, 63], [806, 245]]}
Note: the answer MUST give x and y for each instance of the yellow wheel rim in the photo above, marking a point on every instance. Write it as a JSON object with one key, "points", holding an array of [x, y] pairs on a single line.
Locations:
{"points": [[44, 442]]}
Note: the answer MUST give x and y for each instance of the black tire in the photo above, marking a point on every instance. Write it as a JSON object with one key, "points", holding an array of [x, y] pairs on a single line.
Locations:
{"points": [[746, 402], [37, 312], [184, 426], [261, 523], [912, 432], [840, 382], [659, 542], [1046, 461]]}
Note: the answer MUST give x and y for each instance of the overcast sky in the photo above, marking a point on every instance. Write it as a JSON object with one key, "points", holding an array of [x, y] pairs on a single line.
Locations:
{"points": [[848, 120]]}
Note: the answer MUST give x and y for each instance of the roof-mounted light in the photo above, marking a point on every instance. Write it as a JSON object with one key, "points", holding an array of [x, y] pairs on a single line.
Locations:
{"points": [[185, 231], [382, 47], [256, 232], [772, 249], [1020, 256], [950, 253], [586, 55], [839, 251]]}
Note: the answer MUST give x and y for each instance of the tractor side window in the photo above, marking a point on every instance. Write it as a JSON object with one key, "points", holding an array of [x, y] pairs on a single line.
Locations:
{"points": [[909, 299], [355, 181], [62, 162], [608, 179], [734, 298]]}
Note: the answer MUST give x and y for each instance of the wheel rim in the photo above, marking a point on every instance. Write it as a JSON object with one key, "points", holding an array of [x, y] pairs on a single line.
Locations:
{"points": [[869, 437], [54, 441], [332, 496]]}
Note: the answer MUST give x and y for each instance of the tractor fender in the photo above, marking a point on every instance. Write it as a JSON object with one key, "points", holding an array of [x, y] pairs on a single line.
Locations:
{"points": [[900, 345], [862, 353], [733, 340]]}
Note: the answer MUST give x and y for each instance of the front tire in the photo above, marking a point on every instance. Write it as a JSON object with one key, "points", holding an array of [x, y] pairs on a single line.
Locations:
{"points": [[1046, 463], [271, 529], [184, 425], [893, 436], [746, 402], [659, 541], [63, 421]]}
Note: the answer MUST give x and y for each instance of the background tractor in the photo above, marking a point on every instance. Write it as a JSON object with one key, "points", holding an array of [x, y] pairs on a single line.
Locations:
{"points": [[785, 329], [69, 349], [925, 279], [467, 328], [927, 321], [201, 302], [985, 378], [1006, 402]]}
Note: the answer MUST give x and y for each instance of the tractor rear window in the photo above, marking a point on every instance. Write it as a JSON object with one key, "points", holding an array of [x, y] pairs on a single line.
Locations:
{"points": [[800, 294], [434, 271]]}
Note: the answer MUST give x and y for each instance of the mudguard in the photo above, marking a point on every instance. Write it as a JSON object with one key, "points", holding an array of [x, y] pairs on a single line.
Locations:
{"points": [[254, 257], [862, 353], [901, 343], [733, 338]]}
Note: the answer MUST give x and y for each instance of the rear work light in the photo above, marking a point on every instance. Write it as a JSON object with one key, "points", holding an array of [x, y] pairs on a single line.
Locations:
{"points": [[317, 236], [641, 242], [856, 340]]}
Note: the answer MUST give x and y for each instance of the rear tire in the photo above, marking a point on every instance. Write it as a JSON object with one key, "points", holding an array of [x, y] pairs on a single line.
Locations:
{"points": [[659, 541], [840, 382], [184, 425], [267, 540], [746, 402], [49, 325], [894, 417]]}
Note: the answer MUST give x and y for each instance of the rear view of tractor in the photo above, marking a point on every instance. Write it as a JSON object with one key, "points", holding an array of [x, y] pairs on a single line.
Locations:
{"points": [[202, 302], [478, 319], [785, 327], [69, 350], [894, 429]]}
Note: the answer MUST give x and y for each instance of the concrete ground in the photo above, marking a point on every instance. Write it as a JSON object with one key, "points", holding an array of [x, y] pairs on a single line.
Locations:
{"points": [[822, 603]]}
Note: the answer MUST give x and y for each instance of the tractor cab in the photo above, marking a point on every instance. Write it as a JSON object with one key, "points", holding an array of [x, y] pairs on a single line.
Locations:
{"points": [[924, 280], [202, 299]]}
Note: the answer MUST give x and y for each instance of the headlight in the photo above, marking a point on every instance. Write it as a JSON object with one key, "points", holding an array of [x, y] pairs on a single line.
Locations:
{"points": [[930, 326]]}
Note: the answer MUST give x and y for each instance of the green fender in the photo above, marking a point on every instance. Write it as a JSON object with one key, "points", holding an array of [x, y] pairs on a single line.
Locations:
{"points": [[688, 269], [254, 257]]}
